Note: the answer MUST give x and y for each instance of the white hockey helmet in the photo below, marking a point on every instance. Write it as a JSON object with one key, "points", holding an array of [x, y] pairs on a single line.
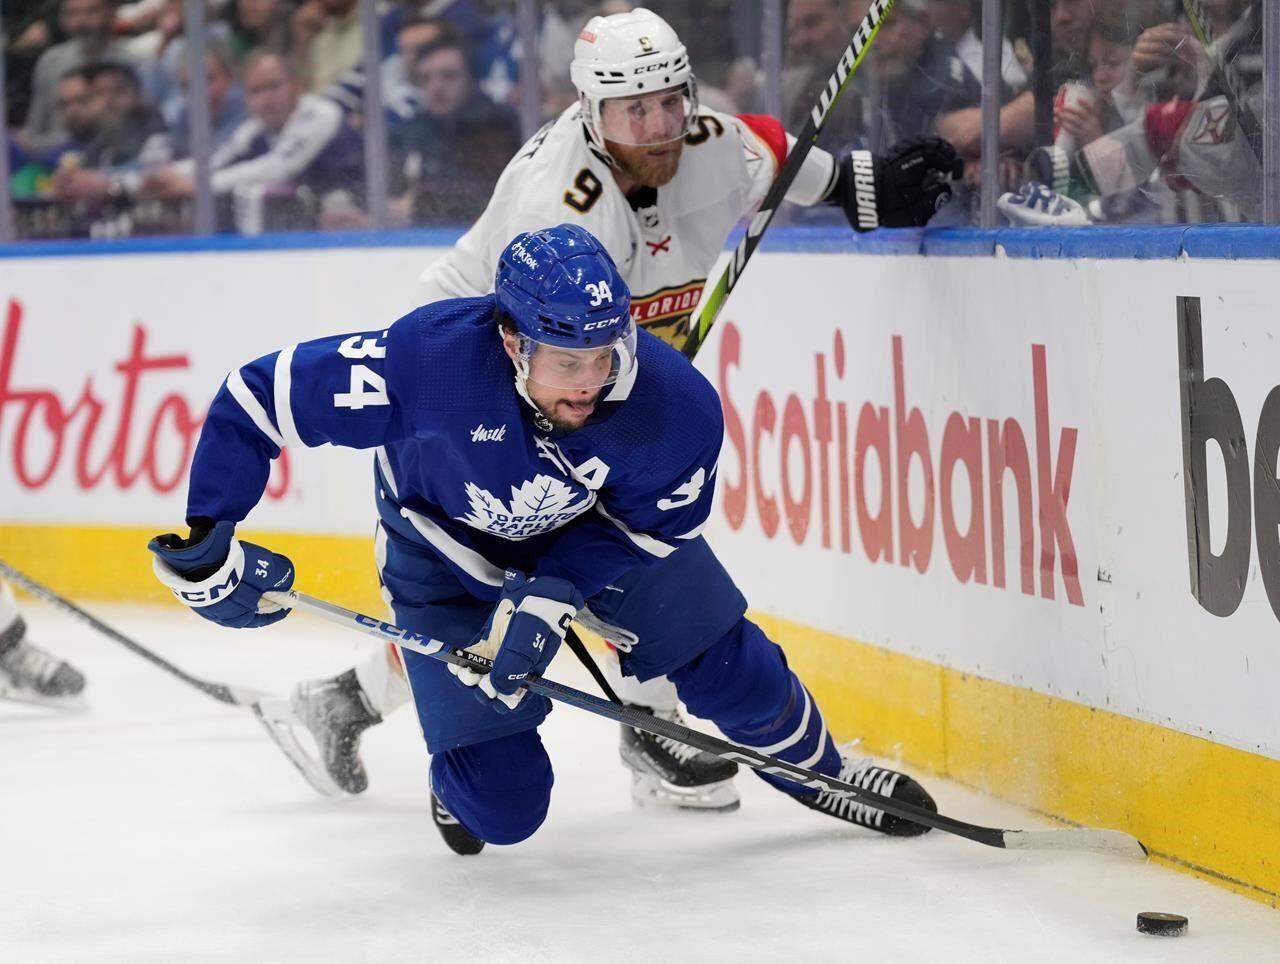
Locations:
{"points": [[634, 55]]}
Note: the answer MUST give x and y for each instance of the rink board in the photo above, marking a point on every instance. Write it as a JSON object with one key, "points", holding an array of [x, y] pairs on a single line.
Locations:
{"points": [[952, 486]]}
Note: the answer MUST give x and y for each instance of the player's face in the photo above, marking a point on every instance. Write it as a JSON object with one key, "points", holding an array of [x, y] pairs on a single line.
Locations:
{"points": [[271, 91], [565, 384], [650, 120]]}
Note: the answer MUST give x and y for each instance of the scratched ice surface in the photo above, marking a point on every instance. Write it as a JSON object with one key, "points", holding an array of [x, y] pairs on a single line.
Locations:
{"points": [[160, 826]]}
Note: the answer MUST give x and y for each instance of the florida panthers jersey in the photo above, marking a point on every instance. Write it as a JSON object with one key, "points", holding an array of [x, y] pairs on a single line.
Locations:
{"points": [[664, 242], [461, 462]]}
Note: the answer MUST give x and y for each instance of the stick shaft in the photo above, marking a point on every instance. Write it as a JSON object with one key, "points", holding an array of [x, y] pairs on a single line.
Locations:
{"points": [[219, 691], [990, 836], [713, 298]]}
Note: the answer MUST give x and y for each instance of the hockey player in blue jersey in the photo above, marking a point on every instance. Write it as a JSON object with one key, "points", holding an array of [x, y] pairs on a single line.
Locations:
{"points": [[534, 456]]}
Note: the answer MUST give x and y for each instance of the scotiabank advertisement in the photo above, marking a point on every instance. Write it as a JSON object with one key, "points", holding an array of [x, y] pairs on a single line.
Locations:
{"points": [[1055, 474]]}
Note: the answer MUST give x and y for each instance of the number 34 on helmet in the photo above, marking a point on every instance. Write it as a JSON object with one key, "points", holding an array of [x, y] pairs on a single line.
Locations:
{"points": [[570, 309]]}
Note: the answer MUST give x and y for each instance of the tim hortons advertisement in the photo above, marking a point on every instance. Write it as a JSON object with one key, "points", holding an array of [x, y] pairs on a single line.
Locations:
{"points": [[981, 462], [107, 365]]}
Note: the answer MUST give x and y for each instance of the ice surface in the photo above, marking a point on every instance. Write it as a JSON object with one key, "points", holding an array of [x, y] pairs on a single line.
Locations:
{"points": [[160, 826]]}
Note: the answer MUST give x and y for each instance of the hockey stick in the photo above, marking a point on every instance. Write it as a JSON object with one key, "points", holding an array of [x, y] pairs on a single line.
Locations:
{"points": [[1077, 838], [1202, 27], [713, 298], [222, 692], [275, 715]]}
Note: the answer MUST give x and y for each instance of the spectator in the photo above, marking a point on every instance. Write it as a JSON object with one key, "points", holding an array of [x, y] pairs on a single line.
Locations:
{"points": [[960, 120], [399, 95], [817, 33], [228, 109], [953, 21], [122, 122], [911, 81], [125, 119], [80, 117], [292, 138], [88, 25], [327, 40], [448, 158], [1114, 102], [259, 25], [1069, 24], [26, 33]]}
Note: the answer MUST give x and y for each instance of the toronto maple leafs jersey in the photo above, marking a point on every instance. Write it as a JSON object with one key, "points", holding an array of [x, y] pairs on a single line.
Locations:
{"points": [[664, 242], [461, 463]]}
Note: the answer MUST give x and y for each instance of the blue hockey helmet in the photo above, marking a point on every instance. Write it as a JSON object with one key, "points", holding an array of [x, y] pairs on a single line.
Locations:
{"points": [[564, 294]]}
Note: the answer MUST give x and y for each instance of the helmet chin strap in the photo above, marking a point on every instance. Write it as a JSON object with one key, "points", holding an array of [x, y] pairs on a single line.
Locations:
{"points": [[522, 389]]}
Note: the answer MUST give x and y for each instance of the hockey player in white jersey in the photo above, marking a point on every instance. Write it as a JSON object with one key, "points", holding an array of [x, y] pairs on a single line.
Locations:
{"points": [[28, 673], [661, 182]]}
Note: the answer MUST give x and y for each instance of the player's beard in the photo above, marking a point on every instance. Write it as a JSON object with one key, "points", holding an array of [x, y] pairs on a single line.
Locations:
{"points": [[642, 165]]}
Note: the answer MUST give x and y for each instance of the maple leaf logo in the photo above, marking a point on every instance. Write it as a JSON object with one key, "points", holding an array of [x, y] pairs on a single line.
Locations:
{"points": [[539, 505]]}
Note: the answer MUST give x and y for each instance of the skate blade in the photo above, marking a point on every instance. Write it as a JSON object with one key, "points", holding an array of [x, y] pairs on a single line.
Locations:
{"points": [[64, 704], [282, 725], [648, 790]]}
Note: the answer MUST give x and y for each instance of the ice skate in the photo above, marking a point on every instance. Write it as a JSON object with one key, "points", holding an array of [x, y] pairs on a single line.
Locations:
{"points": [[666, 772], [864, 773], [460, 840], [29, 674], [336, 712]]}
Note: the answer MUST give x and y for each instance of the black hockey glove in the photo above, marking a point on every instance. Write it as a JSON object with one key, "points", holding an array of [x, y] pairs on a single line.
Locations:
{"points": [[901, 189]]}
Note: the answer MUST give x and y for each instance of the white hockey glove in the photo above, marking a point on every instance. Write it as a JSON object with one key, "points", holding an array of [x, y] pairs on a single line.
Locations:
{"points": [[1036, 206]]}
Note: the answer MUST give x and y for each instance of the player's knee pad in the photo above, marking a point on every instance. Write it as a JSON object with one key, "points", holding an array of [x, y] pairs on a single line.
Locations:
{"points": [[499, 790]]}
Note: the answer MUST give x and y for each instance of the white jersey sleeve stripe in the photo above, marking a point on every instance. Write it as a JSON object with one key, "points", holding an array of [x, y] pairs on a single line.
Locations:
{"points": [[384, 464], [252, 407], [468, 560], [284, 407], [655, 547]]}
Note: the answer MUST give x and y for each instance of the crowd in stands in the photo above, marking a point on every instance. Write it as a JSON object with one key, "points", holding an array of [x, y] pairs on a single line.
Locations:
{"points": [[1144, 115]]}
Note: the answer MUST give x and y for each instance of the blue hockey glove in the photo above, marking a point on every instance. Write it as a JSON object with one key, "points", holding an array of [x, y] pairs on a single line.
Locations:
{"points": [[220, 577], [521, 636]]}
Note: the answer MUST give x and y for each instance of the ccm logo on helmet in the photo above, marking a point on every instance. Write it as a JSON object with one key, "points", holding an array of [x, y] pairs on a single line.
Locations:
{"points": [[650, 68], [594, 325]]}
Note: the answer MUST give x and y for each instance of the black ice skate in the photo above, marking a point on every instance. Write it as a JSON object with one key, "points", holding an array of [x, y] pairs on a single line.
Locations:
{"points": [[336, 712], [459, 838], [32, 675], [865, 774], [666, 772]]}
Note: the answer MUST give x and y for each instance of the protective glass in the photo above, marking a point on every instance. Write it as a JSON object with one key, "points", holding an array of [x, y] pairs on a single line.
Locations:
{"points": [[649, 119], [579, 369]]}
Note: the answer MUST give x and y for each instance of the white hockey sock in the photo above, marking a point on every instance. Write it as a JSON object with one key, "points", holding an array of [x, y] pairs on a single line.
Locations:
{"points": [[657, 694], [382, 678], [8, 607]]}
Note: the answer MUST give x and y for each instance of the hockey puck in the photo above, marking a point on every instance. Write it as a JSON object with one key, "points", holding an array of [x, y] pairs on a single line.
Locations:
{"points": [[1164, 925]]}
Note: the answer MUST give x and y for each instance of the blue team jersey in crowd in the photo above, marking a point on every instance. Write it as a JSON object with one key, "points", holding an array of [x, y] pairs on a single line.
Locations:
{"points": [[461, 462]]}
